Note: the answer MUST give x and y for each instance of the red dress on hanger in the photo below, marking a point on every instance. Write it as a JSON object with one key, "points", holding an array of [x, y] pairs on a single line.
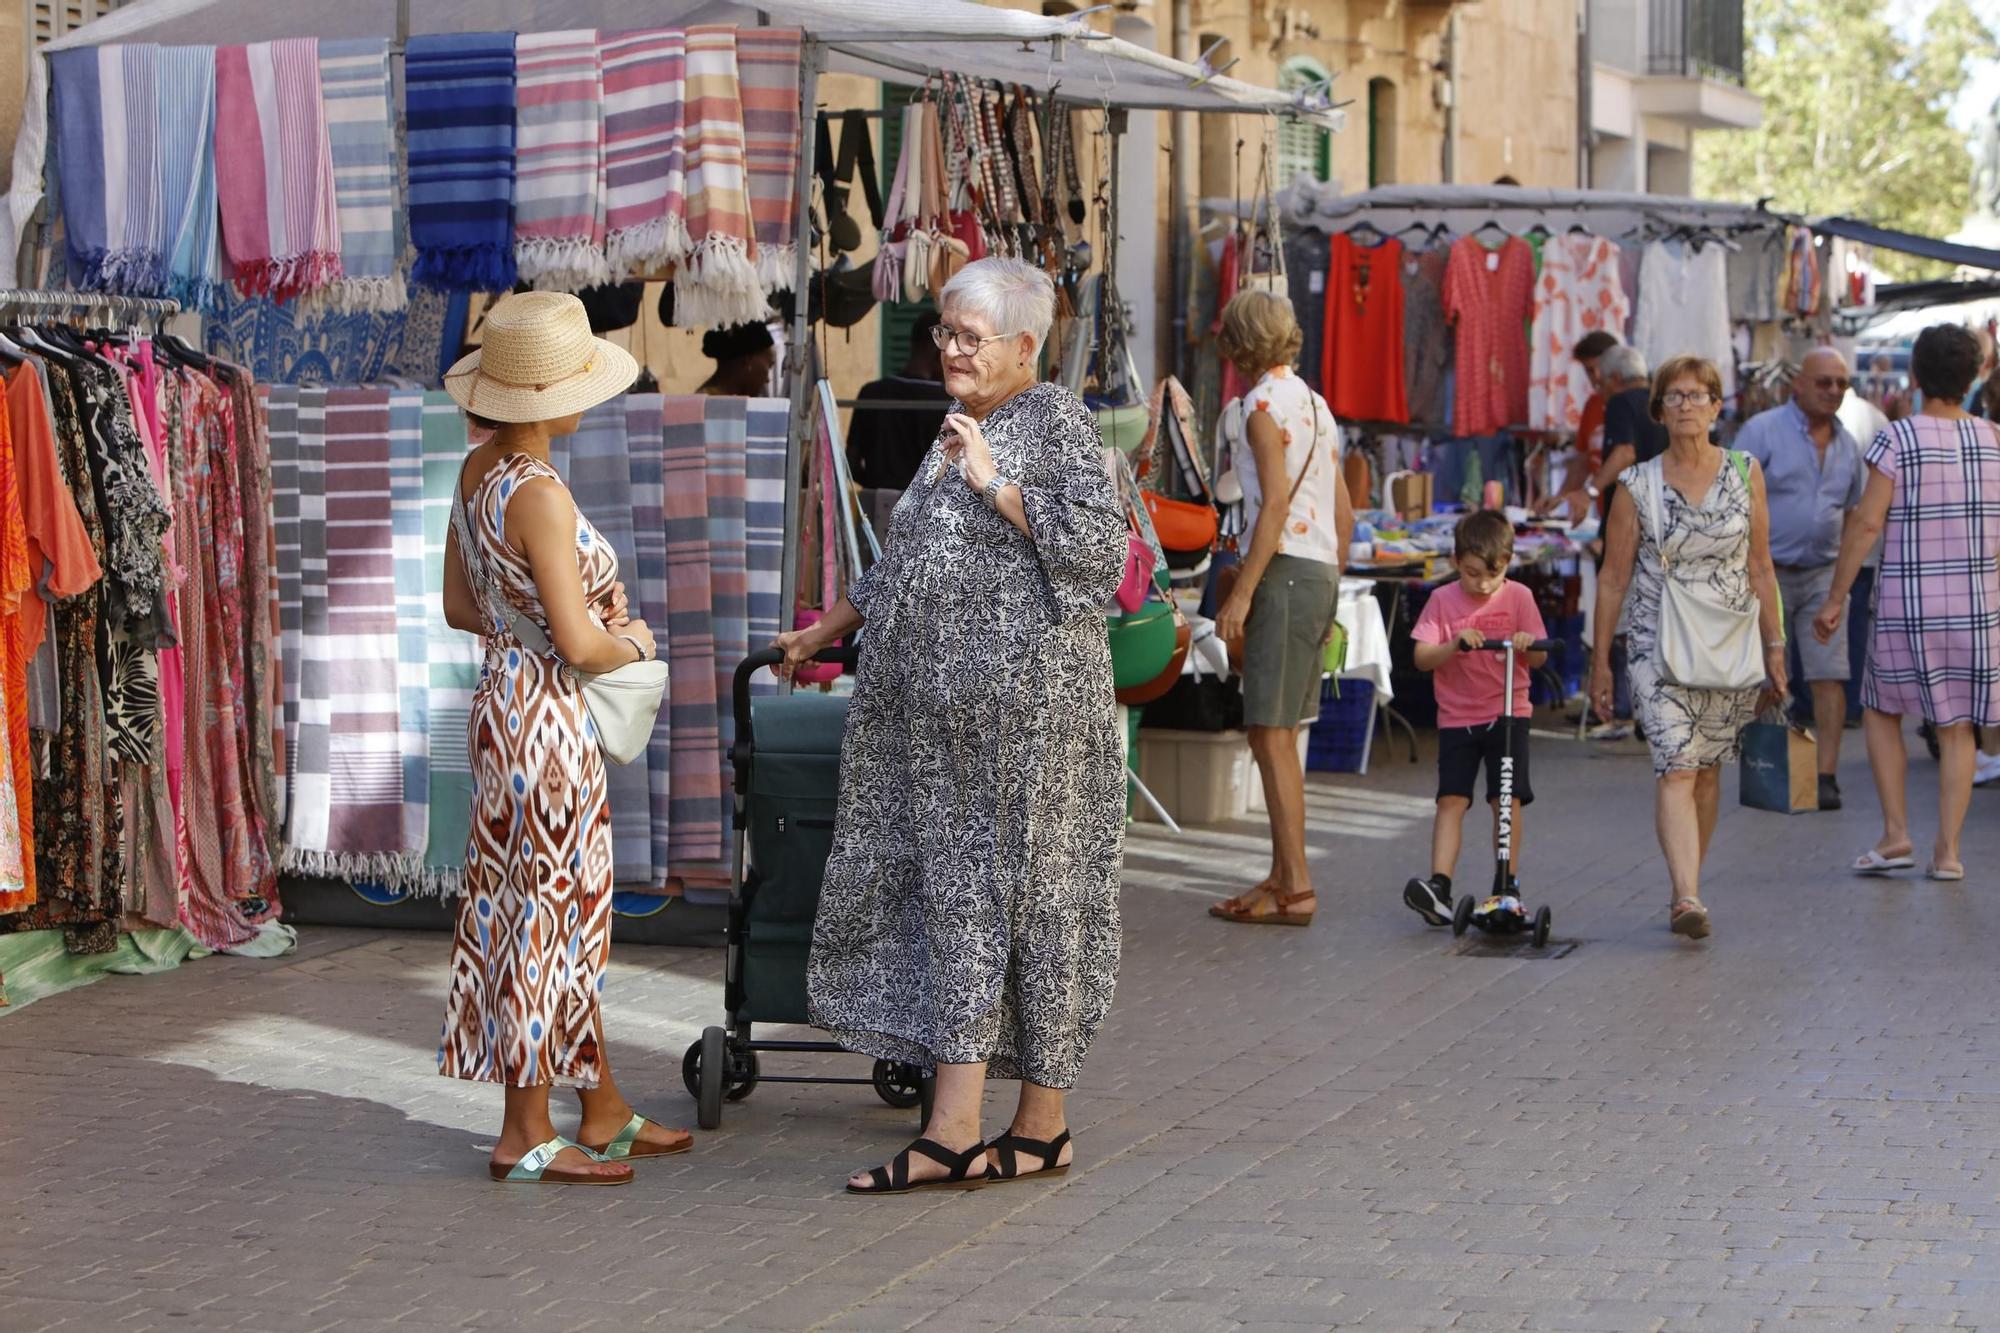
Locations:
{"points": [[1488, 296], [1362, 363]]}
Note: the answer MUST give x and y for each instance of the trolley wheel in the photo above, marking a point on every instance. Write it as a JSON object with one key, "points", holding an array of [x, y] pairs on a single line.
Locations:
{"points": [[711, 1057], [899, 1084], [743, 1074], [1461, 915], [1543, 920]]}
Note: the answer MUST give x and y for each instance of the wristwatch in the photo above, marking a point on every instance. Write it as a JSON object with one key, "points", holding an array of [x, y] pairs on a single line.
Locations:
{"points": [[991, 492]]}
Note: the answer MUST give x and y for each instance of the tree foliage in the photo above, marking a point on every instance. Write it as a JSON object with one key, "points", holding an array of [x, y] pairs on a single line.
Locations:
{"points": [[1855, 117]]}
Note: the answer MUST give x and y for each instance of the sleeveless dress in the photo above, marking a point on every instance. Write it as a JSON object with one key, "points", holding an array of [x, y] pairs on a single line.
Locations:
{"points": [[534, 926], [1710, 542]]}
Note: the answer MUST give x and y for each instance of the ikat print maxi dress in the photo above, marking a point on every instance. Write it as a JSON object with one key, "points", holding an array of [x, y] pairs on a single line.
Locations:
{"points": [[534, 927], [1710, 543], [970, 906]]}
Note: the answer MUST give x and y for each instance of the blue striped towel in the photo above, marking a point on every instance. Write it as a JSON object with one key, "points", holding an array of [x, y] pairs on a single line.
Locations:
{"points": [[186, 104], [354, 83], [459, 96], [107, 166]]}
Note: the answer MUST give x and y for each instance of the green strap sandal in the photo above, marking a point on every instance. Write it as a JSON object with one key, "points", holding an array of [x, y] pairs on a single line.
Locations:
{"points": [[626, 1144], [534, 1168]]}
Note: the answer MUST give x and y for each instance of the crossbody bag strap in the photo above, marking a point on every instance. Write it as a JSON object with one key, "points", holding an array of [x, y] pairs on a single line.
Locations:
{"points": [[1656, 505], [1311, 454], [857, 150]]}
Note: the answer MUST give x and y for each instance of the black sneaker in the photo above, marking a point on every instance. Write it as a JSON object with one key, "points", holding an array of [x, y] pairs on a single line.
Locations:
{"points": [[1430, 899], [1829, 792]]}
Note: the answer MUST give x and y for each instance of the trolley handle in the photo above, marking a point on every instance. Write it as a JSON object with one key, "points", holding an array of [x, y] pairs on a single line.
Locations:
{"points": [[1501, 646], [739, 695]]}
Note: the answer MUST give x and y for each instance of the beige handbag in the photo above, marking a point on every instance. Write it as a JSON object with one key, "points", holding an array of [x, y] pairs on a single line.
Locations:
{"points": [[1705, 643], [624, 703]]}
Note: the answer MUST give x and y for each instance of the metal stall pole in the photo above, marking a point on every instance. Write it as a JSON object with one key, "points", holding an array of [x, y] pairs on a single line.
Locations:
{"points": [[798, 366]]}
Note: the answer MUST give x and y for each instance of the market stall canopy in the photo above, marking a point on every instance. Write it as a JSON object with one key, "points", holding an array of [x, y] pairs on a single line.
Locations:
{"points": [[897, 40], [1515, 208], [1902, 242]]}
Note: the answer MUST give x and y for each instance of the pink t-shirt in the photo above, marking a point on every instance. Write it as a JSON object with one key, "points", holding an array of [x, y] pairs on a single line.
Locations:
{"points": [[1469, 685]]}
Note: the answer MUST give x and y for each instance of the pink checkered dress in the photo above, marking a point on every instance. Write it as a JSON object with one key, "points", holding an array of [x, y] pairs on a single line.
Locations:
{"points": [[1936, 649]]}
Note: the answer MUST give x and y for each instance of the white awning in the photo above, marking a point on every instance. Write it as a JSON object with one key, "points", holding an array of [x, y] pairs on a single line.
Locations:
{"points": [[897, 40]]}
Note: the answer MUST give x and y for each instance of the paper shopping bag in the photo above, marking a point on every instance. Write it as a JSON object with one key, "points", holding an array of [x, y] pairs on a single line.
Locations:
{"points": [[1780, 768]]}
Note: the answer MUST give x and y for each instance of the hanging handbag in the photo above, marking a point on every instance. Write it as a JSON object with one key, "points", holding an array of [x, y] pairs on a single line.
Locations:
{"points": [[624, 703], [1131, 594], [1135, 696], [857, 153], [1705, 643], [948, 253], [889, 261], [1265, 241]]}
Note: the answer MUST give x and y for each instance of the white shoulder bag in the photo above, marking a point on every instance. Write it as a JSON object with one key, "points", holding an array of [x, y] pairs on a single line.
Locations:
{"points": [[1705, 643], [624, 702]]}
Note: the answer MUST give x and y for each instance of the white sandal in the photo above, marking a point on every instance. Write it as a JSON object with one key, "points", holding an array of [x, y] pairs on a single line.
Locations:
{"points": [[1872, 862]]}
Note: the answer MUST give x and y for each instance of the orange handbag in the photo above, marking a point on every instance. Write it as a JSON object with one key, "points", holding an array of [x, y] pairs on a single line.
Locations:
{"points": [[1181, 525]]}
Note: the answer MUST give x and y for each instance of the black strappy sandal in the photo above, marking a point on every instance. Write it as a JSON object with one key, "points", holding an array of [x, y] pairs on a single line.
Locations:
{"points": [[1012, 1147], [895, 1177]]}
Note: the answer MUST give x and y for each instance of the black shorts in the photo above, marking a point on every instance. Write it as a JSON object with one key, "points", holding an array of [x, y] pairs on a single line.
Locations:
{"points": [[1463, 750]]}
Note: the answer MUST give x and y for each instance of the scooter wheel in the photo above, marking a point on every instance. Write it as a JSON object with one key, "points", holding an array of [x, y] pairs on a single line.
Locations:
{"points": [[1461, 915], [1543, 920]]}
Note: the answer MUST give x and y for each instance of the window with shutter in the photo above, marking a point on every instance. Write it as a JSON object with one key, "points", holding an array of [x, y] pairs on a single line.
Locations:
{"points": [[1301, 147], [50, 19]]}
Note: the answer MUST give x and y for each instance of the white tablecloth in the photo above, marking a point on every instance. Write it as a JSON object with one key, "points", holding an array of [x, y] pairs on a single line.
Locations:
{"points": [[1367, 636]]}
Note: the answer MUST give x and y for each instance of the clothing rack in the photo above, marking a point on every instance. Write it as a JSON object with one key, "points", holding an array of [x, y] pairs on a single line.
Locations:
{"points": [[74, 300]]}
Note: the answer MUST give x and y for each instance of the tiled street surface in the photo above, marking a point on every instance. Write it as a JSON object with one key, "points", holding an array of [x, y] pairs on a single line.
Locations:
{"points": [[1353, 1125]]}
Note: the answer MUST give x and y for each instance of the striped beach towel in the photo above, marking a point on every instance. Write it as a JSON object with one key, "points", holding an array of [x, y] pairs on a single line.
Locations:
{"points": [[695, 819], [107, 166], [413, 693], [298, 495], [559, 160], [354, 82], [598, 472], [646, 588], [459, 95], [718, 284], [645, 161], [358, 654], [767, 427], [729, 582], [767, 70], [186, 104], [274, 169], [454, 657]]}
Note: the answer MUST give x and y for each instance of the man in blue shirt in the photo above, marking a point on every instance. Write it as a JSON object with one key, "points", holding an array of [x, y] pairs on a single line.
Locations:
{"points": [[1813, 479]]}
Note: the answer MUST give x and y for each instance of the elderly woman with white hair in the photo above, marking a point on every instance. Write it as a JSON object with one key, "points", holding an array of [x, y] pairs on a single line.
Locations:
{"points": [[969, 916]]}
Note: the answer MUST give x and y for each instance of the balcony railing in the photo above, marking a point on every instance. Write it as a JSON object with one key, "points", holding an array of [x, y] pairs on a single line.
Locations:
{"points": [[1695, 39]]}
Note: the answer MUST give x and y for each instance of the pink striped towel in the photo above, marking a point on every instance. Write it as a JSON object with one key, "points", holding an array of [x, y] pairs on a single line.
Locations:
{"points": [[645, 160], [274, 169], [718, 285], [767, 67], [559, 160]]}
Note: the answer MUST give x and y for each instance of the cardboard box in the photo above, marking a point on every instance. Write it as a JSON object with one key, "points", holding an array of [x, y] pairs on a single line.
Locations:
{"points": [[1201, 777], [1409, 494]]}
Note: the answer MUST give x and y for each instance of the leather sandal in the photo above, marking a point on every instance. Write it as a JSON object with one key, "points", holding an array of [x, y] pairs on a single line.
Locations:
{"points": [[627, 1144], [534, 1168], [1281, 917], [895, 1177], [1242, 902], [1688, 917], [1012, 1147]]}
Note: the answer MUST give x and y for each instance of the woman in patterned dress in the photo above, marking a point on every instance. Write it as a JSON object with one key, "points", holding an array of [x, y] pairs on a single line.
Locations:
{"points": [[534, 927], [969, 915], [1934, 484], [1721, 539]]}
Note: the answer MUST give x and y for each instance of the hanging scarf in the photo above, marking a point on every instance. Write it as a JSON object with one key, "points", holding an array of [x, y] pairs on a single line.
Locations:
{"points": [[718, 286], [459, 92], [645, 163], [354, 79], [139, 264], [559, 160], [768, 70], [106, 163], [187, 175], [274, 169]]}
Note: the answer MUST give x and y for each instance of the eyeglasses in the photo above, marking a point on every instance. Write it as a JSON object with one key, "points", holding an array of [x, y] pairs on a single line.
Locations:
{"points": [[950, 339], [1840, 382], [1686, 398]]}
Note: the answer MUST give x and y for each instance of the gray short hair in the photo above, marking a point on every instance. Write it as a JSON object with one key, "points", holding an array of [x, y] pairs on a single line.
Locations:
{"points": [[1622, 363], [1015, 295]]}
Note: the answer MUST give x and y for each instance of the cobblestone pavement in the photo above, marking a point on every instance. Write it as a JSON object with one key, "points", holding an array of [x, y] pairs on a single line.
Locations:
{"points": [[1352, 1125]]}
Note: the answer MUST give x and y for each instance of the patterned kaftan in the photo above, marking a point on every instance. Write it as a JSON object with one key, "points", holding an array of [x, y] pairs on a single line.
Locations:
{"points": [[970, 906], [534, 927], [1688, 728]]}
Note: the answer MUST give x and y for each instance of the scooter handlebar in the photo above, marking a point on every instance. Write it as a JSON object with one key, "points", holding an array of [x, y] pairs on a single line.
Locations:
{"points": [[1500, 646]]}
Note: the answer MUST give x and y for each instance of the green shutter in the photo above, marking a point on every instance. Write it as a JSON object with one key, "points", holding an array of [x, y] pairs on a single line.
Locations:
{"points": [[897, 317]]}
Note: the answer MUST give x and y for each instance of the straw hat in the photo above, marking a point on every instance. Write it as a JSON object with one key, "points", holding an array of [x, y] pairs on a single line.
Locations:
{"points": [[539, 361]]}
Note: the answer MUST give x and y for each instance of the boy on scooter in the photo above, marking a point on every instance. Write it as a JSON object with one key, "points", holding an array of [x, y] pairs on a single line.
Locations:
{"points": [[1483, 606]]}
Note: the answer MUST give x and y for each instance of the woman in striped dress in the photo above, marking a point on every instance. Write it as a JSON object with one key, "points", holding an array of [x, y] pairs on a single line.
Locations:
{"points": [[1934, 484]]}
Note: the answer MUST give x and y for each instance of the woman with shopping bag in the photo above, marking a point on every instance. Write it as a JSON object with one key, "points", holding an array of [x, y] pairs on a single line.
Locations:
{"points": [[1689, 541]]}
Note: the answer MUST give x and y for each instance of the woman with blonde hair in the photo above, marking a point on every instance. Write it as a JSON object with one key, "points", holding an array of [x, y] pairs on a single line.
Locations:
{"points": [[526, 571], [1694, 515], [1298, 520]]}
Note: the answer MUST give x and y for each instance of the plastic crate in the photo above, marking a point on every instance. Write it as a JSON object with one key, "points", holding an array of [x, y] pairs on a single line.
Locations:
{"points": [[1339, 740]]}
